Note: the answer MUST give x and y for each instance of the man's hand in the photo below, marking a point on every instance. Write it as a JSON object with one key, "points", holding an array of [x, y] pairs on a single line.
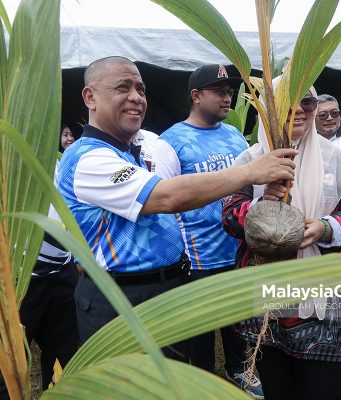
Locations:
{"points": [[191, 191], [314, 230], [272, 167]]}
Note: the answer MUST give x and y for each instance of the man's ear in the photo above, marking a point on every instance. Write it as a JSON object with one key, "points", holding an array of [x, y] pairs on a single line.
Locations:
{"points": [[89, 98], [195, 94]]}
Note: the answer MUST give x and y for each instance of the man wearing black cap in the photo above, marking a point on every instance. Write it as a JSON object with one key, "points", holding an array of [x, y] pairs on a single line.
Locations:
{"points": [[202, 143]]}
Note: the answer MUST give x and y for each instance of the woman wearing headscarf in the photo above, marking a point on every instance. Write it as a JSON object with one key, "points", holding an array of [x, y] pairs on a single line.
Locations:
{"points": [[300, 357]]}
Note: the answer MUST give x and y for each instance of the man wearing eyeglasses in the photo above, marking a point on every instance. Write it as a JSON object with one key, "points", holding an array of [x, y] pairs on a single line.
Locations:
{"points": [[328, 118], [202, 143]]}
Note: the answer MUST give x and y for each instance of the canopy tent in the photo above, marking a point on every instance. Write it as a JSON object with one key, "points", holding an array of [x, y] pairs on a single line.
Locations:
{"points": [[165, 58], [177, 49]]}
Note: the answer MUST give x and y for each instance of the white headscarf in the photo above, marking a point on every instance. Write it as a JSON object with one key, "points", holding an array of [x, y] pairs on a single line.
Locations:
{"points": [[317, 186]]}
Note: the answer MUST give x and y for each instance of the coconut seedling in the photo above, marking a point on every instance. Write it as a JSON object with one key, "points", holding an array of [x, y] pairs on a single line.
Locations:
{"points": [[30, 104], [273, 229], [311, 53], [312, 50]]}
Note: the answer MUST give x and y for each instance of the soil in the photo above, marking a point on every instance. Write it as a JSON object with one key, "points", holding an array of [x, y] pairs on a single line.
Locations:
{"points": [[219, 356], [35, 372]]}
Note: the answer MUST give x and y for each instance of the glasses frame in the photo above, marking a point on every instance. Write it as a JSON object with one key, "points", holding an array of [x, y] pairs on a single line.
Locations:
{"points": [[221, 91], [329, 113], [309, 103]]}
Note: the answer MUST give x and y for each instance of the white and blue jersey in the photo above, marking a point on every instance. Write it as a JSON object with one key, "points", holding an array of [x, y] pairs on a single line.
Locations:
{"points": [[186, 149], [105, 184]]}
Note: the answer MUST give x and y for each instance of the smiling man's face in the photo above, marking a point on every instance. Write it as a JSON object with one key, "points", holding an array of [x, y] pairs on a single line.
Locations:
{"points": [[118, 102]]}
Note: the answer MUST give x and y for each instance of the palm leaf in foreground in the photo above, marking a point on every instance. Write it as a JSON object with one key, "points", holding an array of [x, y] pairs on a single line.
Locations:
{"points": [[32, 103], [207, 304], [312, 51], [136, 377], [202, 17], [4, 17], [76, 243], [30, 90]]}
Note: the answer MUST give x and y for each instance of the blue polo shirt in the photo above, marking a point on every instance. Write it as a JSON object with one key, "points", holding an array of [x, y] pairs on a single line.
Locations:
{"points": [[105, 183]]}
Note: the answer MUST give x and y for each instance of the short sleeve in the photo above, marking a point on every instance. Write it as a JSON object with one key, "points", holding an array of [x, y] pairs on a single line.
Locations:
{"points": [[104, 179]]}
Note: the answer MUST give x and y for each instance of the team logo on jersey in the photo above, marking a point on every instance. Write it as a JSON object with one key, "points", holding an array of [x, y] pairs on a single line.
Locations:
{"points": [[222, 73], [215, 162], [123, 174]]}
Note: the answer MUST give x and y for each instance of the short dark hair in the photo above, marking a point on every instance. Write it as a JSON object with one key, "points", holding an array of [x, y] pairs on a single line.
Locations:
{"points": [[327, 97], [98, 66]]}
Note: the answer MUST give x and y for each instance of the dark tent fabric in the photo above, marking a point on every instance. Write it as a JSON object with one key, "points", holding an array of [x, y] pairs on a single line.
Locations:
{"points": [[165, 58], [166, 95]]}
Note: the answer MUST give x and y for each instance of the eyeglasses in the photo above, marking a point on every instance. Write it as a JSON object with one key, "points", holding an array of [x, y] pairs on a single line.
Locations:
{"points": [[309, 104], [325, 114], [221, 91]]}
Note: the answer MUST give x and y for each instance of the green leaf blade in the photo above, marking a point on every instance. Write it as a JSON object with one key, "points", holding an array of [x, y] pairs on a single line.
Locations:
{"points": [[31, 103], [109, 289], [324, 51], [307, 48], [205, 305], [4, 17], [135, 377], [202, 17], [233, 119]]}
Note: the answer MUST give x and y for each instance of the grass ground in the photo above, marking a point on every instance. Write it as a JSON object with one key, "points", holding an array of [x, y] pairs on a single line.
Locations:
{"points": [[35, 372]]}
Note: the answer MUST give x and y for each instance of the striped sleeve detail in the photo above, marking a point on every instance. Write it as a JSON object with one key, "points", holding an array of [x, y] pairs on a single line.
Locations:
{"points": [[235, 208]]}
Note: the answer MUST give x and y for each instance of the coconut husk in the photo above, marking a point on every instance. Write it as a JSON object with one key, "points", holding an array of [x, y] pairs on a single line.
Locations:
{"points": [[274, 230]]}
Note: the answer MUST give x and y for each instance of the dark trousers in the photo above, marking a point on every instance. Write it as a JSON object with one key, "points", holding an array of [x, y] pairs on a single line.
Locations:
{"points": [[287, 378], [94, 311], [201, 349], [48, 314]]}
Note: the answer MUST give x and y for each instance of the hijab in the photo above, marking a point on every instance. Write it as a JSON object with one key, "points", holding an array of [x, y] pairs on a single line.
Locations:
{"points": [[317, 187]]}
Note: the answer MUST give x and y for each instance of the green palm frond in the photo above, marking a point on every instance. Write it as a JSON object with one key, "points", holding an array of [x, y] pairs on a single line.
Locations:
{"points": [[202, 17], [205, 305], [135, 377]]}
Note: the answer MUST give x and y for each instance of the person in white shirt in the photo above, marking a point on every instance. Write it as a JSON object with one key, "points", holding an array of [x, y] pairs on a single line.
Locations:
{"points": [[328, 118], [147, 140]]}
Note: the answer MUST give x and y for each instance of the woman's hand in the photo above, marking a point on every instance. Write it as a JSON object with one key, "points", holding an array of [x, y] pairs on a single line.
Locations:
{"points": [[274, 191], [314, 230]]}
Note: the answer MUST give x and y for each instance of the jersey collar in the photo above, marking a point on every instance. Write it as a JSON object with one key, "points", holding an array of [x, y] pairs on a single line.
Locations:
{"points": [[91, 131]]}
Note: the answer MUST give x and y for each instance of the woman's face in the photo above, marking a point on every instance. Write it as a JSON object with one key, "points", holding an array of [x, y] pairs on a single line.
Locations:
{"points": [[66, 138], [304, 117]]}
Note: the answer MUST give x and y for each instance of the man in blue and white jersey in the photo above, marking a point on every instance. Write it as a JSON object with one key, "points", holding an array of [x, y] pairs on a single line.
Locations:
{"points": [[202, 143], [126, 212], [147, 140]]}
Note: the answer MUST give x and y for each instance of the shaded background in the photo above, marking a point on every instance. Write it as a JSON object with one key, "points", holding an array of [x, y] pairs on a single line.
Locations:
{"points": [[166, 95]]}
